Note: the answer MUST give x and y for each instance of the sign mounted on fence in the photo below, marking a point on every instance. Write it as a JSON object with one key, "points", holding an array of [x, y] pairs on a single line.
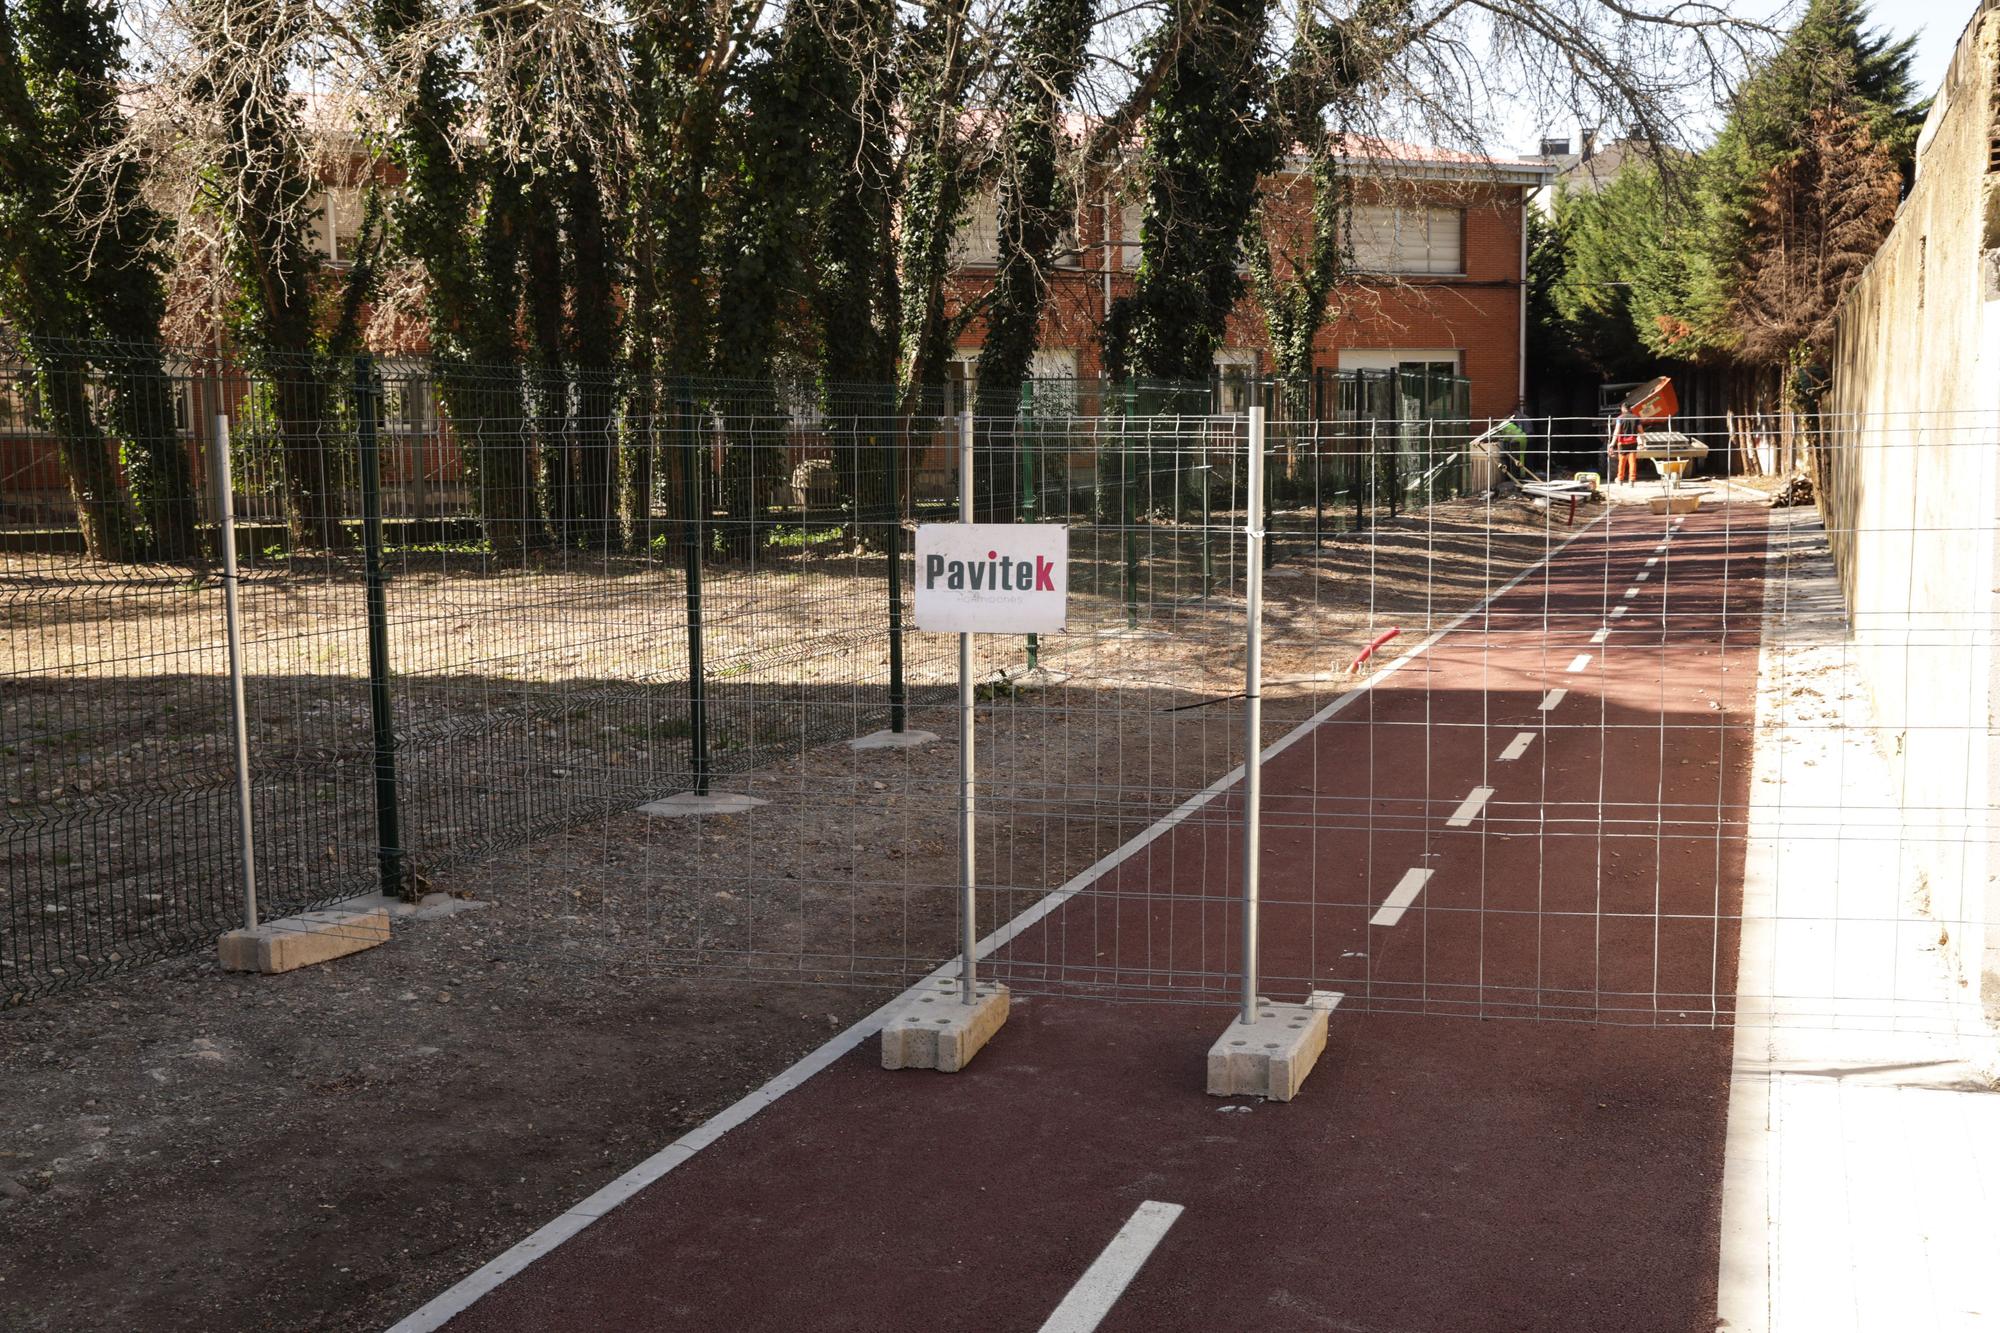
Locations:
{"points": [[992, 578]]}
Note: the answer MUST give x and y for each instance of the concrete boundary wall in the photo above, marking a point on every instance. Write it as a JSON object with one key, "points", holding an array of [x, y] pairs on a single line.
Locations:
{"points": [[1909, 472]]}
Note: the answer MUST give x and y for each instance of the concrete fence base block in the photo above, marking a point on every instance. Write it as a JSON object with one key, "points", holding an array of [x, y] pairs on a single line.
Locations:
{"points": [[892, 740], [1682, 503], [684, 805], [938, 1030], [300, 941], [1271, 1057]]}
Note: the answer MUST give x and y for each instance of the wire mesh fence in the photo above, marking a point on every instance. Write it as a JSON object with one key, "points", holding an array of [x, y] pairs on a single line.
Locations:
{"points": [[1583, 777], [593, 594]]}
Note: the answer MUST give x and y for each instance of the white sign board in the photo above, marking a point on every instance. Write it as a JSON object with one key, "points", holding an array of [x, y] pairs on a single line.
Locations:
{"points": [[992, 578]]}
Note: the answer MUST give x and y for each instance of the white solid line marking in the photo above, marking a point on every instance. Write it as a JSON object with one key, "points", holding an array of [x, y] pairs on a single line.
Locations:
{"points": [[460, 1296], [1578, 663], [1399, 899], [1618, 611], [1469, 808], [1642, 576], [1601, 635], [1552, 698], [1519, 745], [1105, 1280]]}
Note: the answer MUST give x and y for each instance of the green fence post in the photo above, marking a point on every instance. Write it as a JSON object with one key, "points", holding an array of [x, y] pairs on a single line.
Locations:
{"points": [[388, 815], [1130, 488], [691, 533]]}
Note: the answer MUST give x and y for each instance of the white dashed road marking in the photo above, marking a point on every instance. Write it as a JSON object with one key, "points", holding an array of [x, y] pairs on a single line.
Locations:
{"points": [[1105, 1280], [1578, 663], [1519, 745], [1469, 808], [1552, 698], [1399, 900], [1601, 635]]}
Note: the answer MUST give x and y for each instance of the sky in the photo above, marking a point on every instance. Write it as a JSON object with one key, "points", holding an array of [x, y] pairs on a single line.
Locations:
{"points": [[1937, 25]]}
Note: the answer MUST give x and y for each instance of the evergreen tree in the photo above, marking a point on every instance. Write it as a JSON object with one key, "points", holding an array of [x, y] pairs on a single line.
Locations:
{"points": [[1821, 218]]}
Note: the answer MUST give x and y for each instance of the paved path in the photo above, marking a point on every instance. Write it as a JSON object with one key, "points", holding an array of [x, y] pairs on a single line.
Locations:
{"points": [[1555, 1166]]}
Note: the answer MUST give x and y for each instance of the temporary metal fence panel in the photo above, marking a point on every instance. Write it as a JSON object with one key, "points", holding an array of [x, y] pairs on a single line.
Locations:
{"points": [[1582, 777]]}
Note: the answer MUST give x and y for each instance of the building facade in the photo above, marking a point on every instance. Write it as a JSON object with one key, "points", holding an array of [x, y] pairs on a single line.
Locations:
{"points": [[1437, 247]]}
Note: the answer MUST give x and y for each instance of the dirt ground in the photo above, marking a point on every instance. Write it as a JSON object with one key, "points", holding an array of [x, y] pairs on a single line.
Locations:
{"points": [[186, 1148]]}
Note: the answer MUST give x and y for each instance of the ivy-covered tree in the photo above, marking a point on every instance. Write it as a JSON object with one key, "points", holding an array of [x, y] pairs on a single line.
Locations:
{"points": [[1295, 304], [763, 242], [1207, 145], [856, 299], [261, 184], [49, 313], [459, 216], [940, 170], [58, 98], [1037, 206]]}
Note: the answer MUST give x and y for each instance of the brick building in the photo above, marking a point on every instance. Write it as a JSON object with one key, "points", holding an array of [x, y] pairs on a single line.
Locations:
{"points": [[1438, 237]]}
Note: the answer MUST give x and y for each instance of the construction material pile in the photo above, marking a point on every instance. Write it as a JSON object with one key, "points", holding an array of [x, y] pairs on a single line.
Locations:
{"points": [[1797, 491]]}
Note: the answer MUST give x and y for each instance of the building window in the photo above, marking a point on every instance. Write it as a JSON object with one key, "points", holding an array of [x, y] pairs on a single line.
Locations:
{"points": [[184, 407], [1069, 247], [17, 406], [408, 407], [978, 239], [1438, 361], [337, 226], [1053, 372], [1395, 239], [1131, 227], [963, 382], [1235, 380]]}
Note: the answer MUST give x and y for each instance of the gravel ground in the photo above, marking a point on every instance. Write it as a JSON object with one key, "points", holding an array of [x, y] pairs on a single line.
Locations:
{"points": [[186, 1148]]}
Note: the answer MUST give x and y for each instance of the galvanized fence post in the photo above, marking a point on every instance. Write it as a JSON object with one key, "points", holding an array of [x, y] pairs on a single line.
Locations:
{"points": [[388, 818], [968, 928], [1253, 706], [225, 512], [899, 702], [691, 539], [1028, 507]]}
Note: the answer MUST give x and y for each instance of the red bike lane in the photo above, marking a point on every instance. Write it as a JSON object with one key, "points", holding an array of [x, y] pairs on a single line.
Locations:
{"points": [[1518, 1120]]}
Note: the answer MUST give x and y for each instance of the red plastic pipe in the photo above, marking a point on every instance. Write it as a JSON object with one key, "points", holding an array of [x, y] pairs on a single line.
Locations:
{"points": [[1369, 651]]}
